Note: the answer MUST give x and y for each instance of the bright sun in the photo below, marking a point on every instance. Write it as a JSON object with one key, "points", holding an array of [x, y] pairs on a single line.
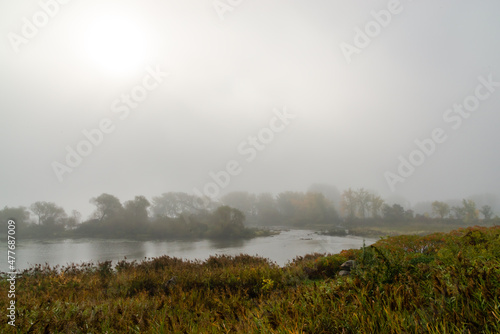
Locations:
{"points": [[117, 44]]}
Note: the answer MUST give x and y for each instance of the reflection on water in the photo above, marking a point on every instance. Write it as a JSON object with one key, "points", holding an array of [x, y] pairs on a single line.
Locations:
{"points": [[279, 248], [227, 243]]}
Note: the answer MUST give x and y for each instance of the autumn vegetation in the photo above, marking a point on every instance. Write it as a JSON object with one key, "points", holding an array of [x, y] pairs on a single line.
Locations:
{"points": [[439, 283]]}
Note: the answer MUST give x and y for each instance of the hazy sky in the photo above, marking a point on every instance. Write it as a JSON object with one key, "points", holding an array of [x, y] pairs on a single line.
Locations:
{"points": [[360, 82]]}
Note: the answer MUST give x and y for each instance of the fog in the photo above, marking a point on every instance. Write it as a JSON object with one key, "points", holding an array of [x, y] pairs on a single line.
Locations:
{"points": [[401, 98]]}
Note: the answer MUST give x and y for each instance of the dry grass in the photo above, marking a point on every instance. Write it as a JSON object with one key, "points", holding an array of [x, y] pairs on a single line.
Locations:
{"points": [[440, 283]]}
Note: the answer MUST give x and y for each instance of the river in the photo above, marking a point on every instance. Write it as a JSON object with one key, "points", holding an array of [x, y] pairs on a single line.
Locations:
{"points": [[279, 248]]}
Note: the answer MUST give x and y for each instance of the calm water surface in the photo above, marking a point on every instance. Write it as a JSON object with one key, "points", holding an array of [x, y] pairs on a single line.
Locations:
{"points": [[279, 248]]}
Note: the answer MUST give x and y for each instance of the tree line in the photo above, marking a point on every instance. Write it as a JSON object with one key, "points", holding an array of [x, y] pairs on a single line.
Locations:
{"points": [[181, 215], [172, 215], [323, 205]]}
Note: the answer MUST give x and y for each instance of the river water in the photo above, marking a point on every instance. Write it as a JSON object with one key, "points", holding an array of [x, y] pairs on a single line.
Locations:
{"points": [[279, 248]]}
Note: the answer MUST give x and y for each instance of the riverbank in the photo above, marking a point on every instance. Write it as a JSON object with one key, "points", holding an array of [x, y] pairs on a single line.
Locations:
{"points": [[379, 229], [437, 283]]}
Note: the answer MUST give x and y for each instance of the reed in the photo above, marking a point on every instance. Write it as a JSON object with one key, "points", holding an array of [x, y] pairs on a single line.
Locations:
{"points": [[439, 283]]}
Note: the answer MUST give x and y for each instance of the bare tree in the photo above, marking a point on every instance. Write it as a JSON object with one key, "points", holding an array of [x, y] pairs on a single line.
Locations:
{"points": [[349, 203], [48, 213]]}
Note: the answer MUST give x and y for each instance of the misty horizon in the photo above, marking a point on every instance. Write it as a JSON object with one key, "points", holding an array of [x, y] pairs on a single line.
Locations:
{"points": [[330, 193], [397, 97]]}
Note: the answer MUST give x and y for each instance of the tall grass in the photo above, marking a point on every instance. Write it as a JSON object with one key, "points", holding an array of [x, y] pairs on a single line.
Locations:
{"points": [[440, 283]]}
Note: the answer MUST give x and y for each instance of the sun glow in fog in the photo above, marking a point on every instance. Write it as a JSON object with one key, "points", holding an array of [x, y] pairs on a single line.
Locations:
{"points": [[116, 44]]}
